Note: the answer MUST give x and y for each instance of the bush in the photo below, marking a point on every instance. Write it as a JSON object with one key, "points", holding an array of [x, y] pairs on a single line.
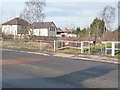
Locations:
{"points": [[117, 52], [8, 37]]}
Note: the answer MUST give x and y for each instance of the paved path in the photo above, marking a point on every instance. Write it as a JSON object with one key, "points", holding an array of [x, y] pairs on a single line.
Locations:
{"points": [[23, 70], [96, 58]]}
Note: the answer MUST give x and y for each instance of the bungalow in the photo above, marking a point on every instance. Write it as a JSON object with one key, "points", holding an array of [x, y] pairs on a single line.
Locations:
{"points": [[16, 26], [44, 29]]}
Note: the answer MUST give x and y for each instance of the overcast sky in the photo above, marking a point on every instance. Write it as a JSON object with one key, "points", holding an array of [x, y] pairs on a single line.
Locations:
{"points": [[71, 13]]}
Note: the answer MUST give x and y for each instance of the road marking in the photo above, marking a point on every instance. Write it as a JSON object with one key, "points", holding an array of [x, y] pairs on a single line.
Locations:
{"points": [[20, 60]]}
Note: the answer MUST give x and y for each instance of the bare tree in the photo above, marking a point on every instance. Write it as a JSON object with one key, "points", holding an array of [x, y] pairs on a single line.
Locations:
{"points": [[119, 14], [108, 16], [33, 12]]}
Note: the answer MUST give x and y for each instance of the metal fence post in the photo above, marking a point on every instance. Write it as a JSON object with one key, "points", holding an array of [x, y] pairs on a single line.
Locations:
{"points": [[105, 48], [1, 41], [113, 48], [54, 45], [40, 44], [101, 49], [81, 46], [61, 43], [89, 47]]}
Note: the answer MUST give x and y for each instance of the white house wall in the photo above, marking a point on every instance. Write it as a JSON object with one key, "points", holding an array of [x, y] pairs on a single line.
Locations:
{"points": [[44, 32], [19, 28], [40, 32], [9, 29], [36, 32], [52, 33]]}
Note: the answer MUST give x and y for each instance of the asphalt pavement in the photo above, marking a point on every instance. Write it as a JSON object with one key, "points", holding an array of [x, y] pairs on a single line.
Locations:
{"points": [[25, 70]]}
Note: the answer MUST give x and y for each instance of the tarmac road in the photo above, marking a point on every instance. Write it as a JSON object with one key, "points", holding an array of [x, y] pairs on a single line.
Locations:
{"points": [[23, 70]]}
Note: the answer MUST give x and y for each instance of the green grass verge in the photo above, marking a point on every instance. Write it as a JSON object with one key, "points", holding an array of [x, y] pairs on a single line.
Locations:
{"points": [[69, 51]]}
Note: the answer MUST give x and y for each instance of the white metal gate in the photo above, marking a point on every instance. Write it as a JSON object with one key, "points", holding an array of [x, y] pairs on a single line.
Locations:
{"points": [[62, 44]]}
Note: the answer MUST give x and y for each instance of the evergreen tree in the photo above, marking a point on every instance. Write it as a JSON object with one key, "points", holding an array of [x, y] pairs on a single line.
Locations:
{"points": [[77, 31], [97, 27]]}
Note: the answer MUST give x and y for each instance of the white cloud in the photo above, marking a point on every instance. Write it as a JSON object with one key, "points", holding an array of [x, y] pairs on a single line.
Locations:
{"points": [[63, 21], [88, 13], [48, 10], [63, 0], [79, 14], [12, 0], [82, 0]]}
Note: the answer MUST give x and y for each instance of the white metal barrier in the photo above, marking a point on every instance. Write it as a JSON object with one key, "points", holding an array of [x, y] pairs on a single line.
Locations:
{"points": [[78, 45], [113, 48]]}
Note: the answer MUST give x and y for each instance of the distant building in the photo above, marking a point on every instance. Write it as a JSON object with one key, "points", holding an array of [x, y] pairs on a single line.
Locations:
{"points": [[59, 32], [71, 35], [16, 26], [44, 29], [65, 33], [20, 27]]}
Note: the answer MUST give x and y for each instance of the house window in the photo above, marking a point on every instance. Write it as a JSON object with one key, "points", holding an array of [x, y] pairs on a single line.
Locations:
{"points": [[52, 28]]}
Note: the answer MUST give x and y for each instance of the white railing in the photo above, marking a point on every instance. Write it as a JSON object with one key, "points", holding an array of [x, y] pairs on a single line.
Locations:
{"points": [[79, 45], [112, 48]]}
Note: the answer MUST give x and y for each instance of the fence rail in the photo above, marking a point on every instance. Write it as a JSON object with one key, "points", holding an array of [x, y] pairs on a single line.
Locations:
{"points": [[62, 44], [113, 47], [54, 45]]}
